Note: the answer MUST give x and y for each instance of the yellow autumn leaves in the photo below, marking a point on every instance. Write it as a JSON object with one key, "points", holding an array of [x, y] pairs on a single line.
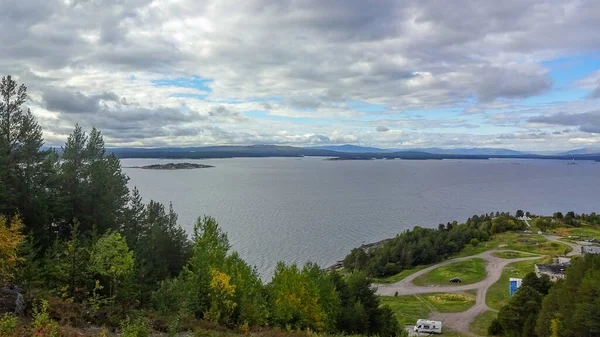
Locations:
{"points": [[10, 240], [222, 294]]}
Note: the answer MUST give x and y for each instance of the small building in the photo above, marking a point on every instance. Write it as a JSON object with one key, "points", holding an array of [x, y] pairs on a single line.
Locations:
{"points": [[554, 271], [514, 284], [590, 250], [562, 260]]}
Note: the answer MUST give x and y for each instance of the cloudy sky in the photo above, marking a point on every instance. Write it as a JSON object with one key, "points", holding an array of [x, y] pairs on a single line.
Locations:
{"points": [[521, 74]]}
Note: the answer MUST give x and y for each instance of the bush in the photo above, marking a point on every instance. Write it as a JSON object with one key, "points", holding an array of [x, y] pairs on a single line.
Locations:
{"points": [[43, 325], [495, 328], [474, 242], [137, 327], [8, 325]]}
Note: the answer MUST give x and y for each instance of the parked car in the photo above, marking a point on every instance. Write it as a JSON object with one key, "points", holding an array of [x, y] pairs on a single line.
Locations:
{"points": [[455, 280]]}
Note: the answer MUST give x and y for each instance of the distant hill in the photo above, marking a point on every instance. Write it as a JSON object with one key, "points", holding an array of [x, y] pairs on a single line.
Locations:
{"points": [[347, 148], [582, 151], [220, 152], [344, 152], [483, 151]]}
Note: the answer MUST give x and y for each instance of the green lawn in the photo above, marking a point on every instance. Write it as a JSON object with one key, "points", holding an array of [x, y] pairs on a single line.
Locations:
{"points": [[531, 243], [511, 254], [481, 323], [498, 294], [469, 271], [584, 232], [410, 308], [446, 302], [400, 276]]}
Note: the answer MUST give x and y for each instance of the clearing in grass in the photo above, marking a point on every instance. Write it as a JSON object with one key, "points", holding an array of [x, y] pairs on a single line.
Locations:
{"points": [[469, 271]]}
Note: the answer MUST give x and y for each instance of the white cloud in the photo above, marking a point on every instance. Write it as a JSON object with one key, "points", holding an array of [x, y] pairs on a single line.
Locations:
{"points": [[295, 61]]}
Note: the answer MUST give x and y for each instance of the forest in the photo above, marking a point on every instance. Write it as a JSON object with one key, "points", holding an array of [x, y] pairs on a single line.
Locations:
{"points": [[79, 249], [568, 308], [422, 246]]}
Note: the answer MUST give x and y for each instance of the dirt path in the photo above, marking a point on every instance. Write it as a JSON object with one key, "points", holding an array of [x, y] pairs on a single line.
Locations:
{"points": [[459, 321], [576, 247]]}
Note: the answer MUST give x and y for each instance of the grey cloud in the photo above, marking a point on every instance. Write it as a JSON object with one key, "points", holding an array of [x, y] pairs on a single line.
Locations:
{"points": [[223, 112], [75, 102], [587, 122], [506, 83], [382, 128], [414, 54]]}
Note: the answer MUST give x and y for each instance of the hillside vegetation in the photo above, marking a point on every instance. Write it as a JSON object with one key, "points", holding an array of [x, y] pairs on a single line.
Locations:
{"points": [[86, 251]]}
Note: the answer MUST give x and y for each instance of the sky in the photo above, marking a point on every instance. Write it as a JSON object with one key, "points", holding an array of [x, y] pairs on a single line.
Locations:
{"points": [[519, 74]]}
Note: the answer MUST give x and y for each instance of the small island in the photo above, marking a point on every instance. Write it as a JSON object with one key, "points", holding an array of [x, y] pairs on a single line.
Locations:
{"points": [[174, 166]]}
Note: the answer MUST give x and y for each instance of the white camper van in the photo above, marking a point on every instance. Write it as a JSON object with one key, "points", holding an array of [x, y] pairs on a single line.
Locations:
{"points": [[428, 326]]}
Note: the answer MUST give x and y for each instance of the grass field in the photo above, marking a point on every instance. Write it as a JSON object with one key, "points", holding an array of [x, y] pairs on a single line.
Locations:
{"points": [[481, 323], [585, 232], [530, 243], [446, 302], [498, 295], [469, 271], [511, 254], [400, 276], [410, 308]]}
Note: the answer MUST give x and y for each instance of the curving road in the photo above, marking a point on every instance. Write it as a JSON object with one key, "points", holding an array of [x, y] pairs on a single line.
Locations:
{"points": [[459, 321]]}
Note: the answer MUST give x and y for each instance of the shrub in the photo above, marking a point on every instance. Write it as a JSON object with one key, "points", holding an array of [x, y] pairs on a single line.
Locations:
{"points": [[8, 325], [495, 328], [474, 242], [137, 327], [43, 325]]}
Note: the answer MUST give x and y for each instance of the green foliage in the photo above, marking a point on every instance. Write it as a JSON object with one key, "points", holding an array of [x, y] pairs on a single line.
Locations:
{"points": [[93, 187], [26, 173], [541, 284], [495, 328], [8, 325], [137, 327], [160, 246], [191, 290], [86, 230], [521, 309], [42, 325], [572, 306], [422, 246], [362, 311], [112, 258], [302, 299]]}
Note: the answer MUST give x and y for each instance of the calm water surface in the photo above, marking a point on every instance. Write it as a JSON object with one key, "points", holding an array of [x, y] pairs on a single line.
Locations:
{"points": [[300, 209]]}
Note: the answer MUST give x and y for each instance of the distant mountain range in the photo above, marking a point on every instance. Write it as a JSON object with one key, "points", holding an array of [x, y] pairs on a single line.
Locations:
{"points": [[343, 152], [583, 151], [433, 150]]}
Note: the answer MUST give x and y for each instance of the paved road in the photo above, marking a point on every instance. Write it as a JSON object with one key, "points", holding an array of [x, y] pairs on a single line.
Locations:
{"points": [[459, 321]]}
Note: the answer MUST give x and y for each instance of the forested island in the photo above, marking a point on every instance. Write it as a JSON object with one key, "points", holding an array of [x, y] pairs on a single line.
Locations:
{"points": [[174, 166]]}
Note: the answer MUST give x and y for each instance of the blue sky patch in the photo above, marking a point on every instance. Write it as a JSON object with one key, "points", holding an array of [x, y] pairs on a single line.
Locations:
{"points": [[194, 82]]}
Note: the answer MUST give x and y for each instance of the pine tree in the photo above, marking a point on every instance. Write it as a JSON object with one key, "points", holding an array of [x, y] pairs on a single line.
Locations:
{"points": [[26, 173]]}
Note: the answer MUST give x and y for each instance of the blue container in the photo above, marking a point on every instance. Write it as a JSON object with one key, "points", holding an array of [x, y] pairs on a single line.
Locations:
{"points": [[515, 283]]}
